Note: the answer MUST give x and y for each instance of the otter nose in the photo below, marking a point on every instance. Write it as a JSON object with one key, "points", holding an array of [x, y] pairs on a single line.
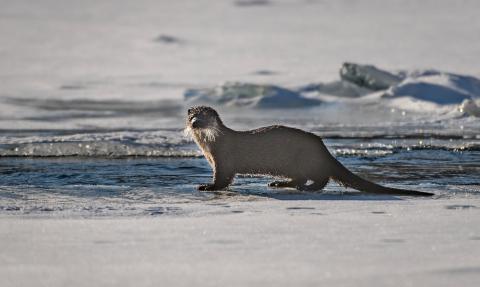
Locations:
{"points": [[195, 122]]}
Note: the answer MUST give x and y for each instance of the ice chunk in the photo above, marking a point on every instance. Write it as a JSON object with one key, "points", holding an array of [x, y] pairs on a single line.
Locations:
{"points": [[368, 76], [356, 81], [437, 87], [470, 107], [337, 88], [249, 95]]}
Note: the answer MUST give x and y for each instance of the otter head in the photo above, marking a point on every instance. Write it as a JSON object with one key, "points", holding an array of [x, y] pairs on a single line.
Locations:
{"points": [[203, 123]]}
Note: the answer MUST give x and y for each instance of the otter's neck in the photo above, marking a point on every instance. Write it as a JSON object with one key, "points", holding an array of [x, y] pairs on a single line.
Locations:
{"points": [[207, 138]]}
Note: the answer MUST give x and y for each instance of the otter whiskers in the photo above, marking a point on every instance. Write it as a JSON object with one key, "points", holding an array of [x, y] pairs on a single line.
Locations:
{"points": [[206, 134], [210, 133]]}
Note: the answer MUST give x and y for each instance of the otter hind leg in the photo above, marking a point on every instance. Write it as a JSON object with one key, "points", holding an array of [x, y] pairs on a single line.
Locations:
{"points": [[318, 184]]}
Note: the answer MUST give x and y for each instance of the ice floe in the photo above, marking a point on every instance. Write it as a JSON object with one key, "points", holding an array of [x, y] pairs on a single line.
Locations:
{"points": [[234, 94], [437, 87], [368, 76], [420, 90]]}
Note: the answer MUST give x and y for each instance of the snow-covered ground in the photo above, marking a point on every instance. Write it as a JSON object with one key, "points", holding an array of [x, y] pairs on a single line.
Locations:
{"points": [[148, 51], [332, 241]]}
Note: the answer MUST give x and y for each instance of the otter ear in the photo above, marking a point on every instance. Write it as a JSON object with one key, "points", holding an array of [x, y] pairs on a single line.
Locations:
{"points": [[189, 111]]}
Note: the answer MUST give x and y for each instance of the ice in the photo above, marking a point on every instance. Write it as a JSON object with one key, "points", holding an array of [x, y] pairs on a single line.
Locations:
{"points": [[249, 95], [438, 87], [337, 88], [470, 107], [124, 53], [431, 91], [368, 76], [309, 240], [158, 143]]}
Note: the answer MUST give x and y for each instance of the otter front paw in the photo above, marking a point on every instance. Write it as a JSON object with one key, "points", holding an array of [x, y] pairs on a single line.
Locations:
{"points": [[274, 184], [207, 187], [280, 184]]}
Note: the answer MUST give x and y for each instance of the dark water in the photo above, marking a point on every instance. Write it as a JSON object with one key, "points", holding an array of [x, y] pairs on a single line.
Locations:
{"points": [[137, 185]]}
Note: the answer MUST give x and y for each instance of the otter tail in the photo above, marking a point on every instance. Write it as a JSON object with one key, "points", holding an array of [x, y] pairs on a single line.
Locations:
{"points": [[342, 175]]}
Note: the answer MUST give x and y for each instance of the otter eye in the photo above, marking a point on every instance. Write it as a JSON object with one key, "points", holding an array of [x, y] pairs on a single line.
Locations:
{"points": [[189, 111]]}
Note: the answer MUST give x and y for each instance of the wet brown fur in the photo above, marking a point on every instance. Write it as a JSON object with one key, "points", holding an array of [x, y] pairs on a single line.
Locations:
{"points": [[276, 150]]}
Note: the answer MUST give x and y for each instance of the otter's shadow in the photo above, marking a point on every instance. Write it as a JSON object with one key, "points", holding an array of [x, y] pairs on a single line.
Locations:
{"points": [[292, 195], [353, 196], [254, 186]]}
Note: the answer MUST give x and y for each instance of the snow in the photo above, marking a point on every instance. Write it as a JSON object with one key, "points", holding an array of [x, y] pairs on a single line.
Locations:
{"points": [[438, 87], [303, 241], [155, 50], [430, 91], [337, 88], [249, 95], [470, 107]]}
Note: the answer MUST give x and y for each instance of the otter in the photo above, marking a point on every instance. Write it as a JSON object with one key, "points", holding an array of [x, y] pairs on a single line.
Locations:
{"points": [[279, 151]]}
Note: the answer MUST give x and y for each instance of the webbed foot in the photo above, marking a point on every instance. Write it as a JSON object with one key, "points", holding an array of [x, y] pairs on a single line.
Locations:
{"points": [[317, 185], [207, 187], [211, 187]]}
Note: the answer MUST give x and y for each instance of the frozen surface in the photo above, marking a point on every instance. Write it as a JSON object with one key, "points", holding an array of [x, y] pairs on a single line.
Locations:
{"points": [[333, 241], [369, 76], [470, 107], [429, 91], [437, 87], [116, 43], [249, 95], [337, 88], [90, 65]]}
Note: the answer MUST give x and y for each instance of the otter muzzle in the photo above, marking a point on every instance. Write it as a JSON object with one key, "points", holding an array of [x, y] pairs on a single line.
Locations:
{"points": [[195, 122]]}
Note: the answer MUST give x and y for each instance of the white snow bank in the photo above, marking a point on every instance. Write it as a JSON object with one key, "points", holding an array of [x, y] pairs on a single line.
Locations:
{"points": [[249, 95], [432, 86], [422, 90], [437, 87], [470, 107]]}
